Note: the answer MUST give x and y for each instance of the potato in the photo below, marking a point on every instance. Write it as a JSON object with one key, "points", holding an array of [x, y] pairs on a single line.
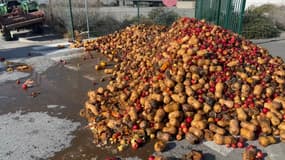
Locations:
{"points": [[227, 103], [179, 98], [229, 140], [92, 108], [269, 91], [266, 140], [163, 136], [216, 129], [217, 108], [265, 126], [197, 117], [191, 138], [133, 114], [166, 99], [281, 126], [273, 118], [174, 122], [257, 91], [171, 107], [159, 146], [159, 115], [245, 133], [234, 127], [218, 139], [197, 132], [223, 123], [202, 124], [242, 116], [158, 125], [248, 126], [219, 90], [193, 102], [134, 96], [280, 100], [175, 114], [282, 135], [171, 130], [208, 135], [157, 97], [207, 108], [169, 83], [189, 91]]}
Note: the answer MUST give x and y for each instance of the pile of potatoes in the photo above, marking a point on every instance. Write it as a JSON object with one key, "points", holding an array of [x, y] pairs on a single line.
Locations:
{"points": [[192, 80]]}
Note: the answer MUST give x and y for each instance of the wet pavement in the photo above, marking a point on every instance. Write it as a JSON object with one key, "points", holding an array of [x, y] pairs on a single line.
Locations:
{"points": [[64, 85]]}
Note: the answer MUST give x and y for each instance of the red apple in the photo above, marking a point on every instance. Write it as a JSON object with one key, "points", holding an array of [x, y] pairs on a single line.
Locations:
{"points": [[240, 144], [259, 155], [24, 86], [135, 145], [151, 157], [188, 119], [135, 127], [265, 110], [234, 145]]}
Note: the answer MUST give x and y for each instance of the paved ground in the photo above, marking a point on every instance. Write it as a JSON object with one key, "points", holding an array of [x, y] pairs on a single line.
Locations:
{"points": [[62, 93]]}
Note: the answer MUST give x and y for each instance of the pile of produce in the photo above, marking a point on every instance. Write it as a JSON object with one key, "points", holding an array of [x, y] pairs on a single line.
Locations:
{"points": [[193, 80]]}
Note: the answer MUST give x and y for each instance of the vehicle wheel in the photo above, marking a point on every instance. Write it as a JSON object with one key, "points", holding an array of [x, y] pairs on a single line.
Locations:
{"points": [[7, 35]]}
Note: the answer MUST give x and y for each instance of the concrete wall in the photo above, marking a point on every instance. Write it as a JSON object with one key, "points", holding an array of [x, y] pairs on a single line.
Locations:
{"points": [[121, 13], [185, 4]]}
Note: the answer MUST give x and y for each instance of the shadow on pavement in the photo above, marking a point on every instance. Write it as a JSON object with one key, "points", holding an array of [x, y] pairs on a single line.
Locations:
{"points": [[208, 156], [170, 146], [19, 52]]}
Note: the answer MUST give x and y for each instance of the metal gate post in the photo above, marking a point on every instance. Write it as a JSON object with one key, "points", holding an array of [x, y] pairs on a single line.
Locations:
{"points": [[138, 5], [87, 19], [241, 16], [71, 19]]}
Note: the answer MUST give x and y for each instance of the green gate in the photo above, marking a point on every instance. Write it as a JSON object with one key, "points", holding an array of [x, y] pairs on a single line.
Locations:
{"points": [[226, 13]]}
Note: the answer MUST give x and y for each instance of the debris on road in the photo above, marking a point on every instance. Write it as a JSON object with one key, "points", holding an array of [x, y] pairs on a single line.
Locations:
{"points": [[252, 153], [35, 94], [15, 66], [60, 46], [29, 83], [193, 80]]}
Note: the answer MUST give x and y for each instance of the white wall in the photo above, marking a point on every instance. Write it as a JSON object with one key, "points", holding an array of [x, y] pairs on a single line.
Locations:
{"points": [[260, 2]]}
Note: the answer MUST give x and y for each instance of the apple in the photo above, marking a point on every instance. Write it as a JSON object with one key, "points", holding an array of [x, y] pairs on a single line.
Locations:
{"points": [[151, 157], [135, 145], [24, 86], [240, 144], [188, 120], [259, 155]]}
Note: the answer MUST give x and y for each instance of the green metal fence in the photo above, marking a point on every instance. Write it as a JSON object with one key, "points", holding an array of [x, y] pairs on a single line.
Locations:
{"points": [[226, 13]]}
